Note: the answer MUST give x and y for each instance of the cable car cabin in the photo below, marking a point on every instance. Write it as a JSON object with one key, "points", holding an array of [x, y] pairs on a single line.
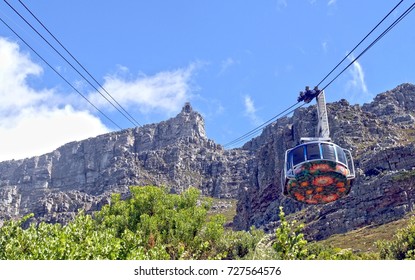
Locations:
{"points": [[317, 172]]}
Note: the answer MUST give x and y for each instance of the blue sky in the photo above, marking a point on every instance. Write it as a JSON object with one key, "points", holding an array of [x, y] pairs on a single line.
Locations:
{"points": [[239, 63]]}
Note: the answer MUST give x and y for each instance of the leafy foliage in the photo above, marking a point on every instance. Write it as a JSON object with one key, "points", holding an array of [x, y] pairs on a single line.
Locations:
{"points": [[152, 224], [290, 243], [77, 240], [319, 251], [241, 244], [155, 225], [402, 246]]}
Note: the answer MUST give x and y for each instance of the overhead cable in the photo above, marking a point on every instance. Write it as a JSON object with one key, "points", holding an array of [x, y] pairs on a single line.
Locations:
{"points": [[76, 60], [403, 15], [73, 67], [63, 78], [348, 55], [257, 129], [390, 27]]}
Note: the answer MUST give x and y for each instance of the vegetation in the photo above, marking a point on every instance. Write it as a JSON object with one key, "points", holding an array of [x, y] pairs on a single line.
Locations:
{"points": [[364, 239], [153, 224], [405, 176], [290, 243], [402, 246]]}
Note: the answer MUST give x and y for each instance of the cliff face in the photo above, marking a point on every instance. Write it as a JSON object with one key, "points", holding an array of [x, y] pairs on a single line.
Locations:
{"points": [[173, 153], [381, 136], [176, 153]]}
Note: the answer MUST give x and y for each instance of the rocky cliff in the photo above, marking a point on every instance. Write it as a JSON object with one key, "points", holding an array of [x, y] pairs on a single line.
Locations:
{"points": [[177, 153], [81, 175], [381, 136]]}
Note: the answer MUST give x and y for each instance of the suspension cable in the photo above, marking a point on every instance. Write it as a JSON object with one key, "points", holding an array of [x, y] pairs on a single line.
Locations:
{"points": [[390, 27], [257, 129], [66, 60], [76, 60], [63, 78]]}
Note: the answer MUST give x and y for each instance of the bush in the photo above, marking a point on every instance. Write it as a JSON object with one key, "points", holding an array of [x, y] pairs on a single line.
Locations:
{"points": [[402, 246], [290, 243], [152, 224], [322, 252]]}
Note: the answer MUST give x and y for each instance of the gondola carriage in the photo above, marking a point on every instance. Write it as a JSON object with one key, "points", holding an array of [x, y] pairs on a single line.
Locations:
{"points": [[317, 171]]}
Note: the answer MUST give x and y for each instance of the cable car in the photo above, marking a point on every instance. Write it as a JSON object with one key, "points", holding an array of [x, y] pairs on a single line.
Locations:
{"points": [[317, 171]]}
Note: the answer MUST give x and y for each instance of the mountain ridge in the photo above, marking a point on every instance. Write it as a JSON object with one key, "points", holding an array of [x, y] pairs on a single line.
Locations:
{"points": [[379, 135], [177, 153]]}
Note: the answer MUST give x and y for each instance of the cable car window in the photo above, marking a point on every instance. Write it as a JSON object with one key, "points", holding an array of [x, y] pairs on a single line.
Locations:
{"points": [[328, 152], [340, 155], [349, 160], [298, 155], [289, 158], [313, 151]]}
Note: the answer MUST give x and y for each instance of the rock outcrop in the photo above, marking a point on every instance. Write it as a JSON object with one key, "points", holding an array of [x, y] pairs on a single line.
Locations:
{"points": [[82, 175], [381, 136], [177, 154]]}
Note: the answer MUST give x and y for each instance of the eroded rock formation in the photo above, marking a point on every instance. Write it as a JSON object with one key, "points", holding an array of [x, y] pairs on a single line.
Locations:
{"points": [[177, 154]]}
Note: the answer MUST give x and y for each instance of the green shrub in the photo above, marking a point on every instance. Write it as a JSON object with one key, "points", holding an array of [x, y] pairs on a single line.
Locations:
{"points": [[290, 243], [151, 224], [402, 246], [324, 252]]}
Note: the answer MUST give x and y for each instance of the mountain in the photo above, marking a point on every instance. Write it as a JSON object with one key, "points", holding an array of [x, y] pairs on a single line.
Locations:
{"points": [[381, 137], [177, 153], [82, 175]]}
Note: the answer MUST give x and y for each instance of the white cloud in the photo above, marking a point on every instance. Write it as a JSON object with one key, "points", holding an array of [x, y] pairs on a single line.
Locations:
{"points": [[165, 92], [356, 86], [250, 110], [357, 80], [36, 131], [33, 122], [37, 121], [15, 67]]}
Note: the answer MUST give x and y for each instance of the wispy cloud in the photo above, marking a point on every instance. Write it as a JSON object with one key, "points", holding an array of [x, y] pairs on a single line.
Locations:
{"points": [[281, 4], [325, 46], [33, 122], [356, 85], [357, 74], [212, 108], [251, 111], [332, 2], [332, 7], [36, 121], [165, 92], [226, 64]]}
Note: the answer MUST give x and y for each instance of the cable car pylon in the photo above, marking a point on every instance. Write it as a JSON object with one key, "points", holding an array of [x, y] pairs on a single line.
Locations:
{"points": [[317, 171]]}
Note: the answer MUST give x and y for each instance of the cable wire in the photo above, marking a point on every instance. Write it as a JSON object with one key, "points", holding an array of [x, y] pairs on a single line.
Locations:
{"points": [[76, 60], [347, 55], [257, 129], [73, 67], [390, 27], [73, 87]]}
